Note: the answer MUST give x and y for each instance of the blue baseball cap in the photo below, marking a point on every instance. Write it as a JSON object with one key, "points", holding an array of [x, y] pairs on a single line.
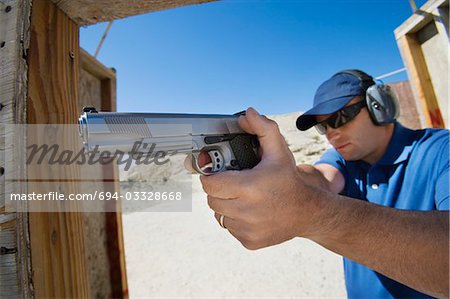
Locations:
{"points": [[330, 97]]}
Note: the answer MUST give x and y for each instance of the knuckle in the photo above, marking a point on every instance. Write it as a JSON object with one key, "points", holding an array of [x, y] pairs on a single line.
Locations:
{"points": [[249, 234], [213, 204], [210, 202], [250, 245], [273, 125]]}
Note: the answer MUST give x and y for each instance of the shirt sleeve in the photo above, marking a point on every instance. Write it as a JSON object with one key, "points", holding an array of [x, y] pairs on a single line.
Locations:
{"points": [[333, 158], [442, 189]]}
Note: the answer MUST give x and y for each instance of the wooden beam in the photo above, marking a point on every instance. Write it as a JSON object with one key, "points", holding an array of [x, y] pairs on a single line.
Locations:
{"points": [[93, 66], [15, 269], [86, 12], [57, 244], [420, 18]]}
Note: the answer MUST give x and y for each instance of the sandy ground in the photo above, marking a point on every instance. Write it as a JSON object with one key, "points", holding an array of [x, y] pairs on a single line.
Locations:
{"points": [[187, 254]]}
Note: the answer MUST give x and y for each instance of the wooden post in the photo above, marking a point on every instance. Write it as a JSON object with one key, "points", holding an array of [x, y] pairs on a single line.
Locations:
{"points": [[57, 244], [15, 268], [427, 78]]}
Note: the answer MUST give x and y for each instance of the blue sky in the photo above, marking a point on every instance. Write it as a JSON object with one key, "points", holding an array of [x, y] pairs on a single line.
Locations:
{"points": [[225, 56]]}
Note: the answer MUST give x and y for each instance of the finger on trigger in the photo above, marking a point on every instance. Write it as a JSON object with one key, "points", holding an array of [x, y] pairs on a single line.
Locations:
{"points": [[188, 164]]}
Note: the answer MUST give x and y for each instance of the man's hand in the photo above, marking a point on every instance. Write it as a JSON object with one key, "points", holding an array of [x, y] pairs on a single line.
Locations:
{"points": [[274, 201]]}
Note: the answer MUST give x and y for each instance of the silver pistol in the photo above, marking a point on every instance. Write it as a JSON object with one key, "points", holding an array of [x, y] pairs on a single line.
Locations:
{"points": [[228, 146]]}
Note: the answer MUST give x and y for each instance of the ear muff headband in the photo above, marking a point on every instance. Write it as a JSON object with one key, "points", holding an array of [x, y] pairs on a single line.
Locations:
{"points": [[381, 100]]}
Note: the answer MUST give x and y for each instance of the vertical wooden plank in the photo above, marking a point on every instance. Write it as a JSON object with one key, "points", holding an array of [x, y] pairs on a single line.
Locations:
{"points": [[109, 94], [15, 268], [57, 244], [114, 227], [443, 94], [116, 253], [98, 89], [419, 77]]}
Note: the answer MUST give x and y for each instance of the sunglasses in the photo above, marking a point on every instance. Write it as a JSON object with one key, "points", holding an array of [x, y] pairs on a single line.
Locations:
{"points": [[341, 117]]}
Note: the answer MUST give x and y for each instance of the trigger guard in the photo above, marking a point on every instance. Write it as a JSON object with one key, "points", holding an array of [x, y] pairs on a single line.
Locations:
{"points": [[217, 161], [196, 166]]}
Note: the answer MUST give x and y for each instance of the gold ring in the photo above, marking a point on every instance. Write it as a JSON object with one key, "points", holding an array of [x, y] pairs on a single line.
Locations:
{"points": [[221, 221]]}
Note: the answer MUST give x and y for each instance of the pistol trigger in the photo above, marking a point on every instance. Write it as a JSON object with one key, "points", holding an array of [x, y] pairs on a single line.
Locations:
{"points": [[196, 166]]}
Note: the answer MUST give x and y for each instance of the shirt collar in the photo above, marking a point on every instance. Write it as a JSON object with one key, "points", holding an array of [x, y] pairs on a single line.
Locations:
{"points": [[400, 145]]}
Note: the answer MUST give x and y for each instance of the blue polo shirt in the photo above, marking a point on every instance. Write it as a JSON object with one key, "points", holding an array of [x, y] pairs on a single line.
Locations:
{"points": [[413, 174]]}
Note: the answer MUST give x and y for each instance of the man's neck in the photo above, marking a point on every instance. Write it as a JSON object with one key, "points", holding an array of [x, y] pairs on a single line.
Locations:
{"points": [[385, 137]]}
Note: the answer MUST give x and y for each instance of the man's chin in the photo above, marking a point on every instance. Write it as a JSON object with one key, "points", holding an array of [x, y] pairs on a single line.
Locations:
{"points": [[349, 157]]}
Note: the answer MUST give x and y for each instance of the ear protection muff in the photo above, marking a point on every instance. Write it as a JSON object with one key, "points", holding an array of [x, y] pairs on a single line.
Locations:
{"points": [[382, 103]]}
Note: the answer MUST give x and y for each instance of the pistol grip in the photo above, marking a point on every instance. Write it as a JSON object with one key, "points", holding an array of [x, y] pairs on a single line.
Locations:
{"points": [[245, 150], [245, 154]]}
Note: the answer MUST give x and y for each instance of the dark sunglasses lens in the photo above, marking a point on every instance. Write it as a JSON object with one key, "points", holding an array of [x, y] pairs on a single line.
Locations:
{"points": [[340, 118]]}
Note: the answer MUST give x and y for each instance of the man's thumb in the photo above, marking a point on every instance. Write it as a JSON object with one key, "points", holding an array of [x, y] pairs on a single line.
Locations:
{"points": [[269, 136]]}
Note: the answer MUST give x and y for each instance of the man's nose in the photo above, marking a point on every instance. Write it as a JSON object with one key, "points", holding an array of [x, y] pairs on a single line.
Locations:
{"points": [[332, 133]]}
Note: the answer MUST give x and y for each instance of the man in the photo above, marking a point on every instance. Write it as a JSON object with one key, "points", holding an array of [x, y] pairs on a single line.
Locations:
{"points": [[379, 198]]}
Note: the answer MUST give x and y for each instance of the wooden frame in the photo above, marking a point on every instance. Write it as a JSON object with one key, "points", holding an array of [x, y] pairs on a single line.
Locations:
{"points": [[408, 41], [42, 254]]}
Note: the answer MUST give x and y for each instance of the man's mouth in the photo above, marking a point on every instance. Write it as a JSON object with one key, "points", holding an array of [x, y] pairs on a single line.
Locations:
{"points": [[342, 146]]}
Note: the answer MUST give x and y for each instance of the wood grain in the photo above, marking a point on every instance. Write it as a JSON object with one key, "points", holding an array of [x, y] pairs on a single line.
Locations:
{"points": [[103, 234], [419, 77], [15, 268], [57, 244], [86, 12]]}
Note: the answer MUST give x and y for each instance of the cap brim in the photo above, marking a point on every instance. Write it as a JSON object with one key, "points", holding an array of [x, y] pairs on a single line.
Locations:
{"points": [[308, 119]]}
